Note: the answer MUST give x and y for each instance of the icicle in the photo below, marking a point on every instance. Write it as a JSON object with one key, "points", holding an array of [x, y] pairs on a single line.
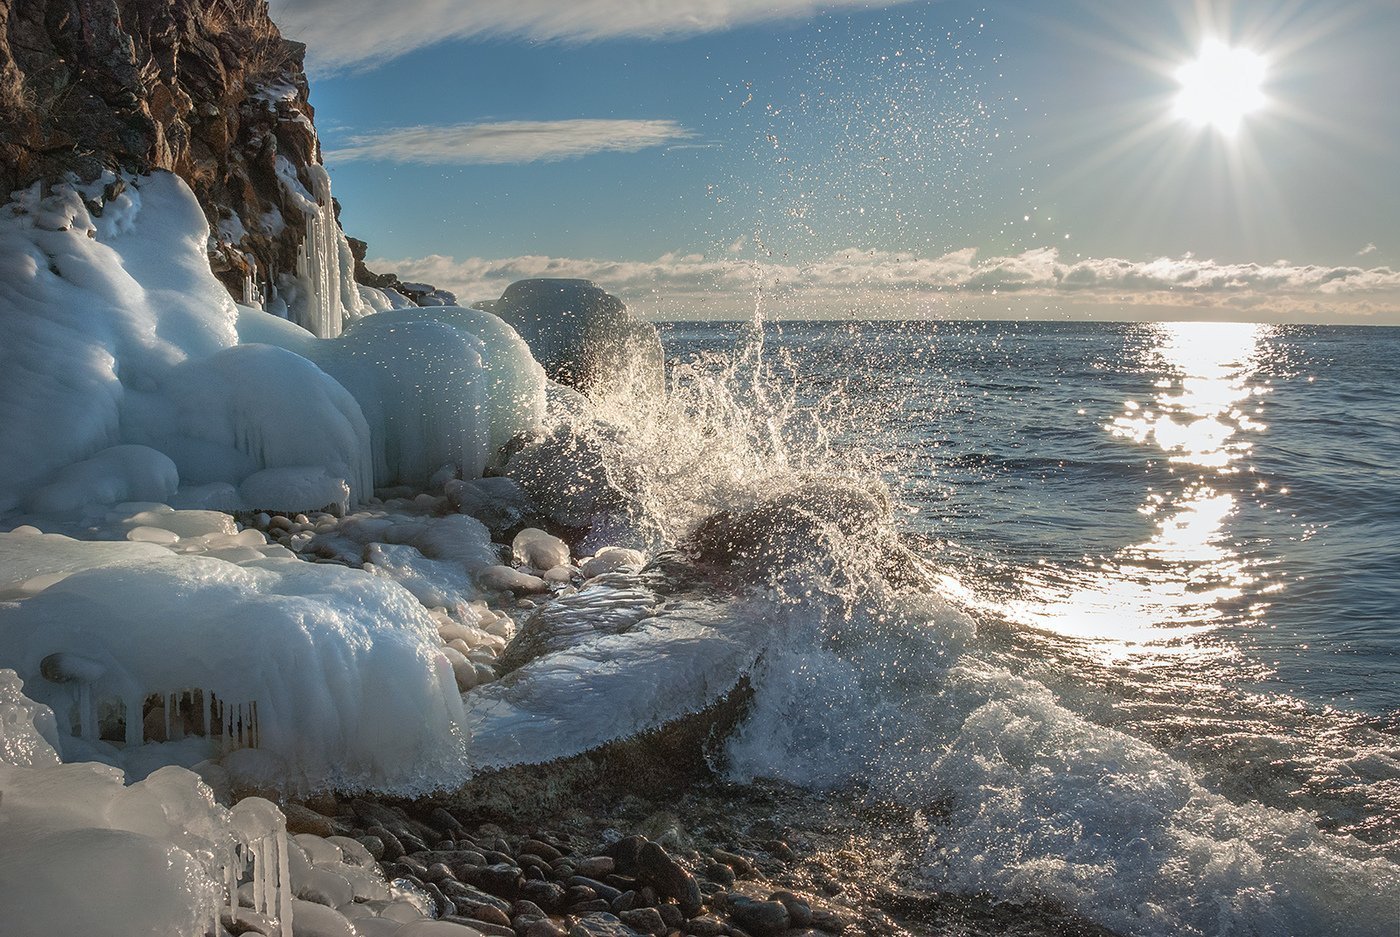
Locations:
{"points": [[259, 897], [87, 719], [284, 884], [135, 724]]}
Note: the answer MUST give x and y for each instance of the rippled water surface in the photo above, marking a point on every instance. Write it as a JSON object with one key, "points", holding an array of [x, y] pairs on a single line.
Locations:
{"points": [[1180, 546]]}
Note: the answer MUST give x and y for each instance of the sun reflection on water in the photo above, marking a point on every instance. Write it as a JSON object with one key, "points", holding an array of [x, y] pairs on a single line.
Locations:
{"points": [[1160, 593]]}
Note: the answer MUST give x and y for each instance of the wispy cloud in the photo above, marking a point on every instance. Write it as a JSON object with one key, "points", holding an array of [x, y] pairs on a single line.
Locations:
{"points": [[884, 283], [1368, 249], [511, 141], [363, 33]]}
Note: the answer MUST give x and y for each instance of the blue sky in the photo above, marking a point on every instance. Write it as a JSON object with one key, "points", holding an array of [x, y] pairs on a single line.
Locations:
{"points": [[899, 158]]}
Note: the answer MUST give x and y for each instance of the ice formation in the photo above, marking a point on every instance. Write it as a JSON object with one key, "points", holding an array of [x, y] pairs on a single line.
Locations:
{"points": [[87, 854], [323, 293], [320, 675], [118, 326]]}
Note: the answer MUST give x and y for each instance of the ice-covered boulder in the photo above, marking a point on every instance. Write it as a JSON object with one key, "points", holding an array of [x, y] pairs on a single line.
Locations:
{"points": [[584, 336]]}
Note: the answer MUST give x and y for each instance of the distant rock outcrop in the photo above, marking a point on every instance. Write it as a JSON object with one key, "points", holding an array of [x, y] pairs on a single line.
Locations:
{"points": [[207, 89], [583, 335]]}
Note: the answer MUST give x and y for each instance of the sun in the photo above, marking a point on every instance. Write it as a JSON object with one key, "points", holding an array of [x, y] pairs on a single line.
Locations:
{"points": [[1221, 87]]}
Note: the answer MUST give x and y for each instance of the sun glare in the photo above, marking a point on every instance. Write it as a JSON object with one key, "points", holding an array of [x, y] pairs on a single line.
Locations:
{"points": [[1221, 87]]}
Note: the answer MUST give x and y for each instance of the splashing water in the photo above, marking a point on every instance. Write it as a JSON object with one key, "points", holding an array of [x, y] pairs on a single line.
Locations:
{"points": [[878, 683]]}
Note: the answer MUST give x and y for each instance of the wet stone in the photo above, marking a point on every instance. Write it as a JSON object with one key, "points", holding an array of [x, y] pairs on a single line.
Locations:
{"points": [[373, 844], [500, 879], [625, 902], [484, 927], [526, 908], [646, 920], [393, 848], [799, 911], [545, 894], [597, 904], [721, 873], [600, 925], [657, 868], [544, 928], [824, 919], [672, 915], [597, 867], [705, 926], [305, 820], [599, 889], [738, 863], [535, 847], [759, 918]]}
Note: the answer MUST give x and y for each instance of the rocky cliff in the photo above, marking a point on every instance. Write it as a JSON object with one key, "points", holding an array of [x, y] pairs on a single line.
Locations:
{"points": [[207, 89]]}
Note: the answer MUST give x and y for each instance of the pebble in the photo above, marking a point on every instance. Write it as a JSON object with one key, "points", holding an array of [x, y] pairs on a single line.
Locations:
{"points": [[305, 820], [759, 918], [646, 920], [657, 868], [545, 928], [316, 920], [485, 927], [601, 924], [534, 847], [705, 926], [799, 911]]}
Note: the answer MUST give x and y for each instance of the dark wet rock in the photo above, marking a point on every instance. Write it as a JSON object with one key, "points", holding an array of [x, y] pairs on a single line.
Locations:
{"points": [[544, 928], [705, 926], [468, 898], [547, 895], [824, 919], [476, 924], [656, 867], [530, 861], [534, 847], [759, 918], [645, 920], [304, 820], [599, 889], [416, 867], [577, 893], [597, 867], [373, 845], [525, 908], [587, 907], [738, 863], [492, 914], [447, 824], [672, 915], [439, 872], [392, 848], [584, 336], [501, 879], [799, 910], [601, 924], [721, 873], [625, 901]]}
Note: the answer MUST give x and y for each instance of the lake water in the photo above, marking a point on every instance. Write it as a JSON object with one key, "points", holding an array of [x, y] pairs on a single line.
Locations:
{"points": [[1177, 547]]}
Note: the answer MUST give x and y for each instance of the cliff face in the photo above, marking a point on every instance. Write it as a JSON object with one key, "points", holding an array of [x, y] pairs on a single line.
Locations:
{"points": [[207, 89]]}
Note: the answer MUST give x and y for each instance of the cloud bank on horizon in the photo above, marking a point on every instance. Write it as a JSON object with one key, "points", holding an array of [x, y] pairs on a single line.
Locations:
{"points": [[343, 34], [510, 141], [904, 285]]}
